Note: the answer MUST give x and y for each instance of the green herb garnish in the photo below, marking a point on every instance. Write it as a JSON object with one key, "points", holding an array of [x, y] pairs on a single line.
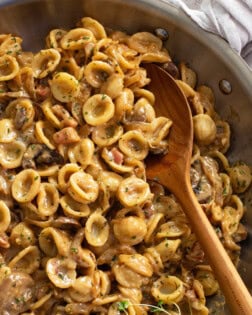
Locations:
{"points": [[122, 306]]}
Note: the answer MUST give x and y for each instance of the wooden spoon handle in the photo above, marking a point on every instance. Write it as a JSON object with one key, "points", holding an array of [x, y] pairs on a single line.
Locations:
{"points": [[237, 296]]}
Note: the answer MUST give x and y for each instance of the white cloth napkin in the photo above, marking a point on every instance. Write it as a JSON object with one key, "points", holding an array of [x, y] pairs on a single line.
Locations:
{"points": [[230, 19]]}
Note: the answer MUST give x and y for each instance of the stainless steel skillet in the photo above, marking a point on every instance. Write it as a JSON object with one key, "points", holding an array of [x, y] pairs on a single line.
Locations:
{"points": [[210, 56]]}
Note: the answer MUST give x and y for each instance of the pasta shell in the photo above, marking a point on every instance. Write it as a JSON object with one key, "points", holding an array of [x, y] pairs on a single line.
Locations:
{"points": [[25, 185], [208, 281], [82, 152], [44, 132], [167, 248], [152, 225], [11, 154], [155, 260], [240, 177], [73, 208], [186, 89], [7, 131], [61, 272], [70, 65], [160, 127], [130, 230], [49, 171], [10, 44], [187, 75], [97, 72], [138, 263], [5, 217], [124, 103], [113, 310], [53, 241], [8, 67], [110, 180], [107, 134], [126, 277], [95, 27], [65, 87], [133, 144], [82, 290], [27, 260], [65, 173], [161, 56], [144, 42], [84, 257], [47, 199], [54, 37], [83, 188], [136, 79], [96, 230], [171, 229], [49, 114], [133, 192], [199, 303], [22, 235], [104, 282], [76, 38], [169, 289], [102, 44], [113, 86], [45, 62], [143, 111], [125, 57], [144, 93], [98, 109]]}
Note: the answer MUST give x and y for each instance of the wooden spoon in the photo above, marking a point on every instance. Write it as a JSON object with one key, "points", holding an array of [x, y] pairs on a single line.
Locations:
{"points": [[173, 172]]}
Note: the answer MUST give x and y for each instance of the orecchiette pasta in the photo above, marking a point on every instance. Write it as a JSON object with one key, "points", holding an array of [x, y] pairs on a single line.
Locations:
{"points": [[22, 111], [107, 134], [27, 260], [65, 173], [97, 230], [82, 152], [133, 143], [73, 208], [133, 191], [7, 133], [98, 109], [64, 87], [26, 185], [47, 199], [82, 231], [11, 154], [44, 133], [61, 272], [94, 26], [82, 187], [169, 289], [22, 235], [53, 241], [76, 39], [5, 217], [9, 67], [96, 72], [45, 62]]}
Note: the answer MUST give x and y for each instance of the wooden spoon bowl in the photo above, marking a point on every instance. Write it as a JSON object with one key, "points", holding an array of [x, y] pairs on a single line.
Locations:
{"points": [[172, 170]]}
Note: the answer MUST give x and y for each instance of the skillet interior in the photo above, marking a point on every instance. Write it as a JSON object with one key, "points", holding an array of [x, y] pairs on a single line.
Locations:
{"points": [[208, 55]]}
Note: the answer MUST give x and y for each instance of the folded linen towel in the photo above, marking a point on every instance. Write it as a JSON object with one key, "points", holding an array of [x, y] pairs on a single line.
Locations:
{"points": [[230, 19]]}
